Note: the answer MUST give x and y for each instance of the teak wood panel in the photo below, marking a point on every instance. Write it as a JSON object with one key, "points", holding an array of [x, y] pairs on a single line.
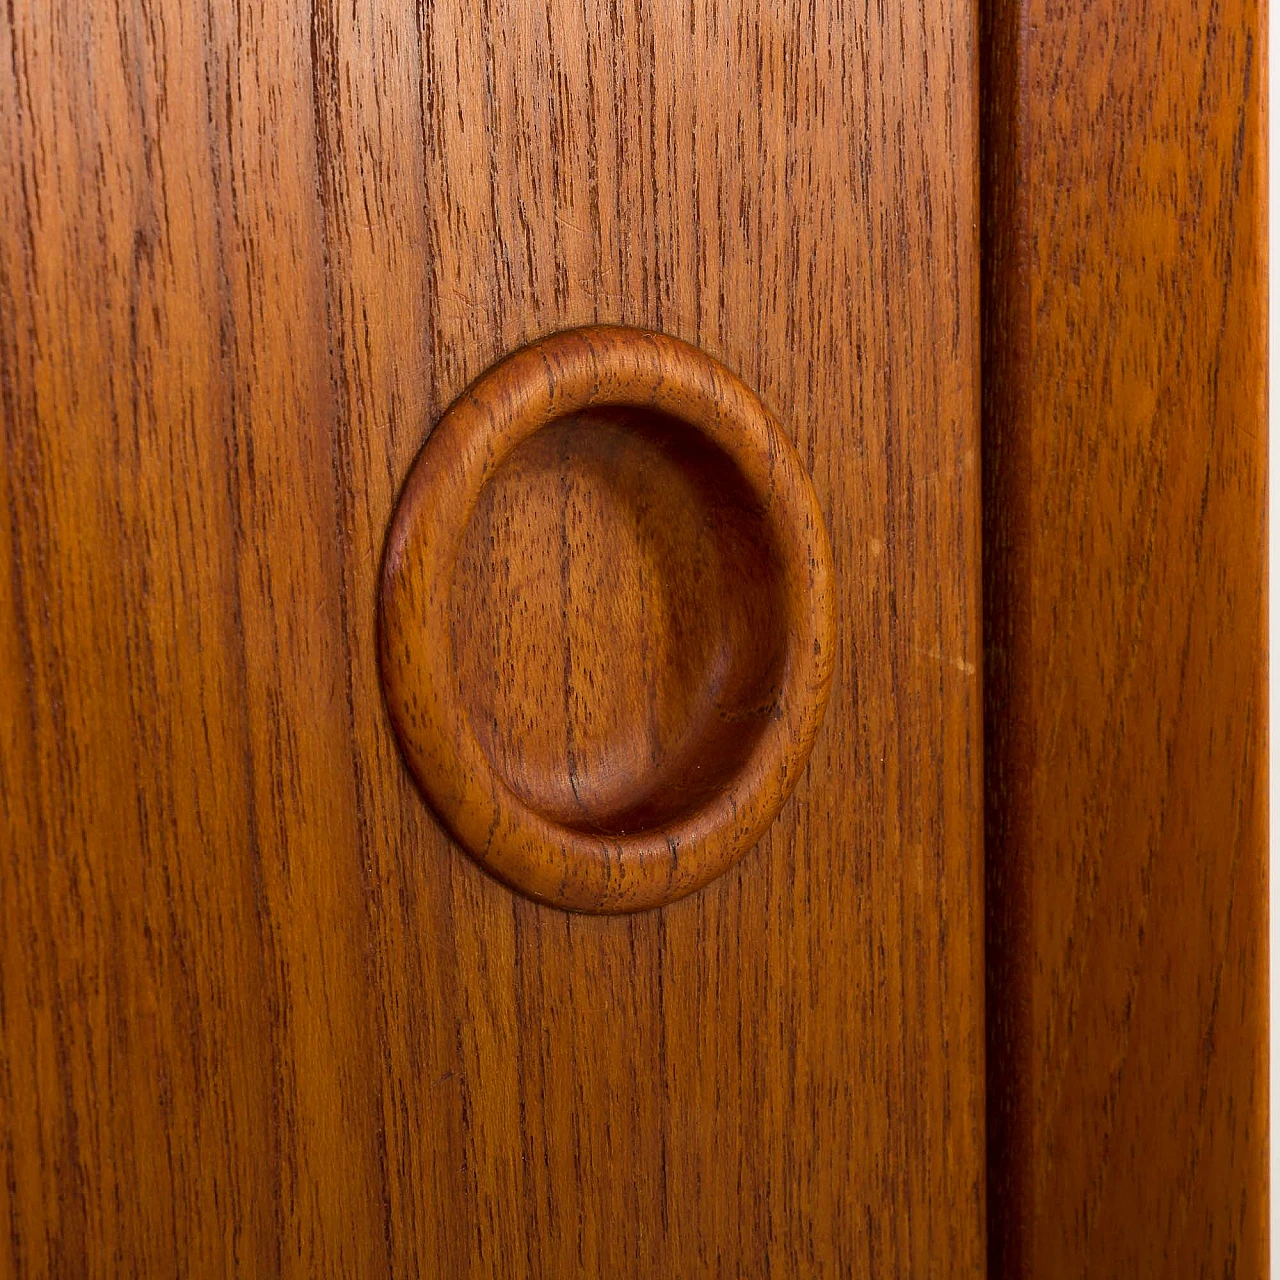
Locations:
{"points": [[1124, 535], [259, 1015]]}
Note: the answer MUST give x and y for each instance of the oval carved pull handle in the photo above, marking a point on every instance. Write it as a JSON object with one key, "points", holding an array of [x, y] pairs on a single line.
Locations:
{"points": [[607, 629]]}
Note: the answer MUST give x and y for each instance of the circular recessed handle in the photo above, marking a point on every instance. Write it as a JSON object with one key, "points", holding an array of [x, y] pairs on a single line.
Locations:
{"points": [[607, 625]]}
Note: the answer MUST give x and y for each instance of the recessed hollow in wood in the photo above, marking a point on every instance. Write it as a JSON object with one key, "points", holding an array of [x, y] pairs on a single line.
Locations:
{"points": [[607, 619], [618, 620]]}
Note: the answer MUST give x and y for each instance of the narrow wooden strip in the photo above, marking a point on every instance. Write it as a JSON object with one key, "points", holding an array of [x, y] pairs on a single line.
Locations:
{"points": [[1123, 493]]}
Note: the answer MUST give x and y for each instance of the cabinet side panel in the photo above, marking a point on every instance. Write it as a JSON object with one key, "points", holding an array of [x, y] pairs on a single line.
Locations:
{"points": [[1125, 632]]}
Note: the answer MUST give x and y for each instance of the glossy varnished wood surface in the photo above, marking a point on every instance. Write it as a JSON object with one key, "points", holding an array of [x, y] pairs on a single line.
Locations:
{"points": [[1123, 485], [259, 1015]]}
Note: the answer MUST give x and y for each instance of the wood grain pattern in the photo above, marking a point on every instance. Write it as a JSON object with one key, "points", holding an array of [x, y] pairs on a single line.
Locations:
{"points": [[607, 623], [259, 1015], [1123, 493]]}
